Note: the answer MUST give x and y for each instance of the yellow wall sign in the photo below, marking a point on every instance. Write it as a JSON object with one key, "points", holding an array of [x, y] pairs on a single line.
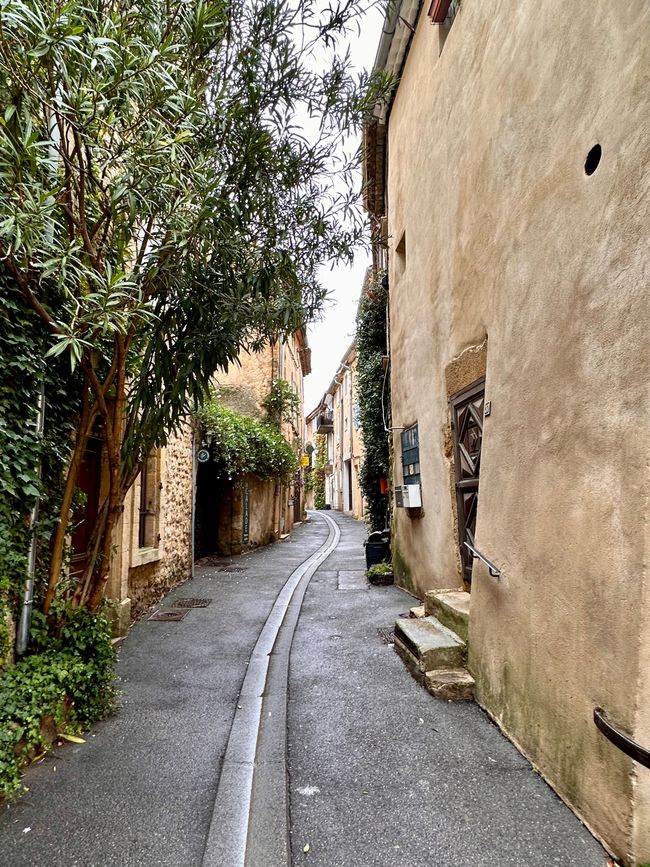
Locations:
{"points": [[304, 461]]}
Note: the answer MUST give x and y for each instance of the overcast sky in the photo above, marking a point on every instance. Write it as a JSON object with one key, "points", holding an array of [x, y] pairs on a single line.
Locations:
{"points": [[330, 338]]}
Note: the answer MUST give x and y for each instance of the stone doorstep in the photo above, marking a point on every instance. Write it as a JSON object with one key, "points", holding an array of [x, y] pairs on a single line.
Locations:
{"points": [[432, 644], [454, 684], [451, 608]]}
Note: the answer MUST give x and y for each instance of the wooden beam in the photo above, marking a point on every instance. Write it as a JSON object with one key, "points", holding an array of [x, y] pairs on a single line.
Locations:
{"points": [[438, 10]]}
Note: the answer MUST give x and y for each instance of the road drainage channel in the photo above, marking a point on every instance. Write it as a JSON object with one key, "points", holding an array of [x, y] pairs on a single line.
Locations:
{"points": [[249, 826]]}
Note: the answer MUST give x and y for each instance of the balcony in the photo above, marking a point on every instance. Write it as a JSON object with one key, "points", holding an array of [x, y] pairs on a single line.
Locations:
{"points": [[324, 423]]}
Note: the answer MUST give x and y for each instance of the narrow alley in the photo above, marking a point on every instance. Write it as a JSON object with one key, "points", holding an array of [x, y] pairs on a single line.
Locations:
{"points": [[213, 758]]}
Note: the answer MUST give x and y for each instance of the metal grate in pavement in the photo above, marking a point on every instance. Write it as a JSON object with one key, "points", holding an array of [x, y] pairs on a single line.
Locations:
{"points": [[190, 602], [168, 616], [387, 634], [231, 569]]}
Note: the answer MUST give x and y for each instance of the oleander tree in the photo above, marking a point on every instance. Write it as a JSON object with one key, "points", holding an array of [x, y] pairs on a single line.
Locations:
{"points": [[171, 180]]}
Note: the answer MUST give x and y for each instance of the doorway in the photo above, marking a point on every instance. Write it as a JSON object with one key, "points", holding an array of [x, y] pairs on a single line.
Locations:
{"points": [[211, 495], [89, 483], [347, 486], [467, 408]]}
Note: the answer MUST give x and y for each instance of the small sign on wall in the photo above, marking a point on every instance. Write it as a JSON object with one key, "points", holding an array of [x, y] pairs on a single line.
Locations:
{"points": [[246, 517]]}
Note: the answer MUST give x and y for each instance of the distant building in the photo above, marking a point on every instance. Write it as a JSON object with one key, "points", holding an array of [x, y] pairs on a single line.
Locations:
{"points": [[337, 418]]}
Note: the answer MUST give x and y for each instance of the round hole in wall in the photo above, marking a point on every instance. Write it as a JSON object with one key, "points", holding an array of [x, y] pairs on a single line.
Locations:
{"points": [[593, 159]]}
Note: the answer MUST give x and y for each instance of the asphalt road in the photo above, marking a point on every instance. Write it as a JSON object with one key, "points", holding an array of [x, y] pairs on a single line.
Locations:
{"points": [[364, 767]]}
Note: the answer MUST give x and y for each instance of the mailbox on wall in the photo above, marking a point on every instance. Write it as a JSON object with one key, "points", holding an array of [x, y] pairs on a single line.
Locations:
{"points": [[408, 496]]}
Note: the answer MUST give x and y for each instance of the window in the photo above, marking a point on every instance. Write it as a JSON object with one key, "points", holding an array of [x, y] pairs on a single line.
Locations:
{"points": [[411, 456], [149, 501], [443, 11]]}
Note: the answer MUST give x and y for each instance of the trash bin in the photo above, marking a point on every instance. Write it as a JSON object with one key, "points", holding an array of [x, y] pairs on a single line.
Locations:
{"points": [[377, 547]]}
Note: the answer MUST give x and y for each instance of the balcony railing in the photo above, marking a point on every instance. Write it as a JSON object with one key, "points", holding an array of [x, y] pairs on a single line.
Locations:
{"points": [[325, 423]]}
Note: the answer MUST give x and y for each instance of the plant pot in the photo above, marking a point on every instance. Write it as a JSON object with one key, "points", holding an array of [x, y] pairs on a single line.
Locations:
{"points": [[381, 580]]}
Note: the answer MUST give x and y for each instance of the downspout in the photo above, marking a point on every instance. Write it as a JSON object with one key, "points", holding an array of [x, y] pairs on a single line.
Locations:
{"points": [[22, 637]]}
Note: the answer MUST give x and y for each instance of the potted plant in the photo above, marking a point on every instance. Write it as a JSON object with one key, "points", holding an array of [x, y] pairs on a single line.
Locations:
{"points": [[380, 573]]}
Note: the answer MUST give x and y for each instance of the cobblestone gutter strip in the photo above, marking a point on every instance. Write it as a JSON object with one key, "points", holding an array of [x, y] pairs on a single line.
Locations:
{"points": [[255, 758]]}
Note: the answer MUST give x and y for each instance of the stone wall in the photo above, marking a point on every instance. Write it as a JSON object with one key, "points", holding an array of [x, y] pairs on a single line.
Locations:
{"points": [[140, 576]]}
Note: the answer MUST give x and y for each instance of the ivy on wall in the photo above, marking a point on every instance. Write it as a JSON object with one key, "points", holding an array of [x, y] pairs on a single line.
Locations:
{"points": [[374, 397], [240, 445], [64, 682], [64, 685], [282, 404], [320, 463], [23, 368]]}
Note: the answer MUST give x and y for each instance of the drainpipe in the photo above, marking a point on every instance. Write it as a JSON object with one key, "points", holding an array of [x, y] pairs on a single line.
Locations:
{"points": [[22, 638]]}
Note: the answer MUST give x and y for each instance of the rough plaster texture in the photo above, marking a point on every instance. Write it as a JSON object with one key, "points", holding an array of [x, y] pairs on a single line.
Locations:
{"points": [[506, 236], [140, 577], [246, 384], [262, 528]]}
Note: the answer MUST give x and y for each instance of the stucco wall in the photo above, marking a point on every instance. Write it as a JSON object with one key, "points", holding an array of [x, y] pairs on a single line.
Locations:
{"points": [[506, 237]]}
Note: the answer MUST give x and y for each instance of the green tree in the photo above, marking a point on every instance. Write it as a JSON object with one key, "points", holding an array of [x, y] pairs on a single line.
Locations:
{"points": [[161, 207], [374, 397]]}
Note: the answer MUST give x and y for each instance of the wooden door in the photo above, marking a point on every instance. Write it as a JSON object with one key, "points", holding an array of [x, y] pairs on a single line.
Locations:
{"points": [[467, 425], [89, 483]]}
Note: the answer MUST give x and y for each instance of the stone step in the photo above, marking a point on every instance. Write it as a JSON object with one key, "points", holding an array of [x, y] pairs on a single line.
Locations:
{"points": [[425, 644], [451, 684], [451, 608]]}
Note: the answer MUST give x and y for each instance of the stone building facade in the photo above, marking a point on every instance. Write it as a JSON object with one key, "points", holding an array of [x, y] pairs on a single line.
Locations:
{"points": [[174, 497], [233, 516], [510, 171], [155, 550]]}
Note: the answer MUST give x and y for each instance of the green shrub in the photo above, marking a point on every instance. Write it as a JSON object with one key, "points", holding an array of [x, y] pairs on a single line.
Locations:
{"points": [[67, 677], [380, 569], [241, 445], [319, 471]]}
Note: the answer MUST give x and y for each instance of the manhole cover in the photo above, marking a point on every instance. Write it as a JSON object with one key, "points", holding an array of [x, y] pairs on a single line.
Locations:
{"points": [[188, 602], [231, 569], [387, 634], [168, 615]]}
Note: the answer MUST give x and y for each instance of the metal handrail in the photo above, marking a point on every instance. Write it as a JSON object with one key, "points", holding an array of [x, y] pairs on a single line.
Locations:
{"points": [[619, 739], [476, 554]]}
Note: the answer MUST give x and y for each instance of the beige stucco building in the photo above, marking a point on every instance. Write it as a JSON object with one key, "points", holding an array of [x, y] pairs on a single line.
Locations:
{"points": [[512, 162], [337, 418]]}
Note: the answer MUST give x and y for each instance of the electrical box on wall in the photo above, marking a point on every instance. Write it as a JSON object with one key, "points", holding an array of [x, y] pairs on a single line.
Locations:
{"points": [[408, 496]]}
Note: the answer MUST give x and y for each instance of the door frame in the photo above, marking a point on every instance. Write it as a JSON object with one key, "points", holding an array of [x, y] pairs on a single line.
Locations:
{"points": [[462, 397]]}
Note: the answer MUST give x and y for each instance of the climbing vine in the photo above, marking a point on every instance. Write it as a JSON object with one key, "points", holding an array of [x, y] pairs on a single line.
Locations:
{"points": [[23, 343], [282, 404], [240, 445], [320, 463], [64, 680], [374, 397]]}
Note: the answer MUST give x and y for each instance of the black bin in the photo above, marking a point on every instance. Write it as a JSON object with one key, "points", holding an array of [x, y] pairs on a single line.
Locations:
{"points": [[377, 547]]}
